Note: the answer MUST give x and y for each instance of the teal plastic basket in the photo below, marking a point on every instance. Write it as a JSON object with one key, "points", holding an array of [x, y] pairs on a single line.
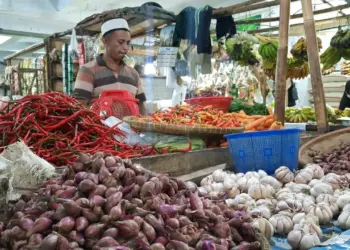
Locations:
{"points": [[265, 150]]}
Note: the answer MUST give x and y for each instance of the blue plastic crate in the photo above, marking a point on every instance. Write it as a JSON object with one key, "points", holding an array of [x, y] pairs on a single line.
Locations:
{"points": [[265, 150]]}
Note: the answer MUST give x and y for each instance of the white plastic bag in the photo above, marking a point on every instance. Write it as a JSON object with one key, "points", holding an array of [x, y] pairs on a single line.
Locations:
{"points": [[73, 46], [179, 95], [131, 138], [22, 169]]}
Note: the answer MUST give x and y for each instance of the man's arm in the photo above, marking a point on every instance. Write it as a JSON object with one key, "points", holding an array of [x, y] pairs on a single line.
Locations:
{"points": [[140, 95], [84, 85]]}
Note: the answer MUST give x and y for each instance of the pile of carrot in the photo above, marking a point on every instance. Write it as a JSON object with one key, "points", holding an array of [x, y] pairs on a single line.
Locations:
{"points": [[210, 117]]}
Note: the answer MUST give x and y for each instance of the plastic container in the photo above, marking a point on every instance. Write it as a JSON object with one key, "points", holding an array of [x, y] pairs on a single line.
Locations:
{"points": [[265, 150], [219, 102], [118, 103]]}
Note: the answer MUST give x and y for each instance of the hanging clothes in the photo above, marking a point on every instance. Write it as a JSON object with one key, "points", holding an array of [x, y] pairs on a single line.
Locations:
{"points": [[185, 27], [225, 26], [292, 95]]}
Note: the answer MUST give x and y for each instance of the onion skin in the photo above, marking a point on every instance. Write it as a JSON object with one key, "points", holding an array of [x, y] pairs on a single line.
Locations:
{"points": [[87, 186], [93, 231], [49, 243], [149, 231], [40, 225], [127, 228], [107, 242], [81, 224], [77, 237], [66, 224], [72, 208], [26, 224], [111, 232]]}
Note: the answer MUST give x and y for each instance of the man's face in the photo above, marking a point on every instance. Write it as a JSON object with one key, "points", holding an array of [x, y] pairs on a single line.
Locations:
{"points": [[117, 44]]}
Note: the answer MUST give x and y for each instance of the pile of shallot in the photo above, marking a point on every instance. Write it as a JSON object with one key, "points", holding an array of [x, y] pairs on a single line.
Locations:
{"points": [[109, 203], [293, 203]]}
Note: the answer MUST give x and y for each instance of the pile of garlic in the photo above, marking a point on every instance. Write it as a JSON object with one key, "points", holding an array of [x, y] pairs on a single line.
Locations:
{"points": [[288, 203]]}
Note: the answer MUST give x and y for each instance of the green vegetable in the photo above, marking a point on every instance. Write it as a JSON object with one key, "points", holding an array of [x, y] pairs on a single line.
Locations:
{"points": [[256, 109]]}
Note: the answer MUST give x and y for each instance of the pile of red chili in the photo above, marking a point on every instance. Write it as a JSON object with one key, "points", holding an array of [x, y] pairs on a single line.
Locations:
{"points": [[56, 127]]}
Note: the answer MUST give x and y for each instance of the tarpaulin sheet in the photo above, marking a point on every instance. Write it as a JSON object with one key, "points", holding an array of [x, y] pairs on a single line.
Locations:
{"points": [[340, 241]]}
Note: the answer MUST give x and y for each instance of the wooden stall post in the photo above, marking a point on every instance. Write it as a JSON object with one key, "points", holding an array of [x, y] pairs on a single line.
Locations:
{"points": [[281, 67], [315, 68]]}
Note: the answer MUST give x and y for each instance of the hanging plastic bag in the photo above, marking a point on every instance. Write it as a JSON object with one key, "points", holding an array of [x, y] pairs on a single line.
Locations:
{"points": [[179, 95], [73, 47]]}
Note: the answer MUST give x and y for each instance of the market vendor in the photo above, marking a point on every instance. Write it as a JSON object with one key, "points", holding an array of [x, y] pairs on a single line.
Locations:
{"points": [[108, 71], [345, 100]]}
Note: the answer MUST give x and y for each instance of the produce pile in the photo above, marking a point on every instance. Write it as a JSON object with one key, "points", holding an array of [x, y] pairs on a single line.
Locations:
{"points": [[339, 48], [288, 203], [207, 92], [57, 126], [241, 49], [305, 114], [113, 204], [337, 161], [298, 66], [345, 68], [210, 118], [256, 109]]}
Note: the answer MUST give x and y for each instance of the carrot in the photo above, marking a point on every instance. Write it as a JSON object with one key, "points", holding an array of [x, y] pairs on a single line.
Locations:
{"points": [[269, 122], [242, 112], [276, 125], [257, 122], [270, 111]]}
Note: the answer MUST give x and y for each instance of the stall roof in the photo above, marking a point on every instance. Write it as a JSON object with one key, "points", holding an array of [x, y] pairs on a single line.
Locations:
{"points": [[141, 20]]}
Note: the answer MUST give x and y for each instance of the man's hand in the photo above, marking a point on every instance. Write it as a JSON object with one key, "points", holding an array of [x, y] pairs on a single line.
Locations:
{"points": [[142, 108]]}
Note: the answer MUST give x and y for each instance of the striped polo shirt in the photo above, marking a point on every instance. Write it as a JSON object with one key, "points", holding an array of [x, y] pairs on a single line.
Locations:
{"points": [[95, 77]]}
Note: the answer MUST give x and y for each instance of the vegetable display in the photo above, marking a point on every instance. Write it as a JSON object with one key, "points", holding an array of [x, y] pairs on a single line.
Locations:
{"points": [[210, 118], [57, 126], [256, 109], [293, 203], [111, 203], [337, 161]]}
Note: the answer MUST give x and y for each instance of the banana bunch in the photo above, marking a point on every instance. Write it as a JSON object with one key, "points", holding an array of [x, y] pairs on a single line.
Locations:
{"points": [[296, 115], [299, 50], [268, 51], [341, 40], [330, 57], [264, 39], [328, 71], [345, 68], [296, 70], [346, 112]]}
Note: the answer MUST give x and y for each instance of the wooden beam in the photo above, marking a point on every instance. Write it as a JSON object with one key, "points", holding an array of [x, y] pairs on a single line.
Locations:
{"points": [[275, 19], [324, 24], [315, 67], [231, 10], [27, 50], [281, 66]]}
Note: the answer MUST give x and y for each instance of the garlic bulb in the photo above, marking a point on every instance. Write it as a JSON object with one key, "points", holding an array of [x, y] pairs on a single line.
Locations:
{"points": [[242, 183], [202, 191], [316, 169], [291, 205], [262, 211], [328, 198], [321, 188], [322, 211], [191, 186], [206, 181], [346, 208], [217, 186], [304, 176], [302, 239], [333, 206], [233, 192], [298, 217], [284, 175], [343, 200], [311, 223], [298, 188], [243, 201], [287, 213], [336, 181], [265, 202], [262, 173], [284, 193], [219, 175], [269, 180], [281, 223], [229, 182], [208, 187], [260, 191], [314, 181], [251, 174], [308, 202], [264, 226], [344, 220]]}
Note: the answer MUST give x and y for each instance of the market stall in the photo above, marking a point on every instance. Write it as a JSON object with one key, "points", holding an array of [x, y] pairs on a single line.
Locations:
{"points": [[74, 178]]}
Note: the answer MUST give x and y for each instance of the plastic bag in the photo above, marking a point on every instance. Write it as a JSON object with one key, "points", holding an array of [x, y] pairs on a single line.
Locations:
{"points": [[131, 137], [73, 46], [179, 95], [22, 169]]}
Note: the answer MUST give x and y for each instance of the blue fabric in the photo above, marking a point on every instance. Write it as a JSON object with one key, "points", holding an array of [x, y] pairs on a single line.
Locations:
{"points": [[280, 243], [185, 28]]}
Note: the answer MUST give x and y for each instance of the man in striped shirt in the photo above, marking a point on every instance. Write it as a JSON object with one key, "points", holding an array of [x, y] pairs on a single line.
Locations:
{"points": [[108, 71]]}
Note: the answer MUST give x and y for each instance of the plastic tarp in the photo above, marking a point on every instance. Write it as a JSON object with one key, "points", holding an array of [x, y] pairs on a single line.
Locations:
{"points": [[340, 241]]}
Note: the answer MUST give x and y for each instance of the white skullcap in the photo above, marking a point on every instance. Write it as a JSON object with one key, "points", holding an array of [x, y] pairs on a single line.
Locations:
{"points": [[114, 24]]}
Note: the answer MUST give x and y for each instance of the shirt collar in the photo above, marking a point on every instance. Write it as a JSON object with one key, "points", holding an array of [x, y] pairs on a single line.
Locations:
{"points": [[101, 62]]}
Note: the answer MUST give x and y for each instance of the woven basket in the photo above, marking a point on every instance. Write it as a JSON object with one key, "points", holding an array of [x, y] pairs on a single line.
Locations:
{"points": [[324, 143], [179, 130]]}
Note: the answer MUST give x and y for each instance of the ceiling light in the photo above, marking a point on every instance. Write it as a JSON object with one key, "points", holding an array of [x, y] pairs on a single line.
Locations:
{"points": [[4, 38]]}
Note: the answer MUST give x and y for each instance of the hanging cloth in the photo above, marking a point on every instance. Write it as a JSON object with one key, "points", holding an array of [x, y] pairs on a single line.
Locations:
{"points": [[292, 95], [225, 26]]}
